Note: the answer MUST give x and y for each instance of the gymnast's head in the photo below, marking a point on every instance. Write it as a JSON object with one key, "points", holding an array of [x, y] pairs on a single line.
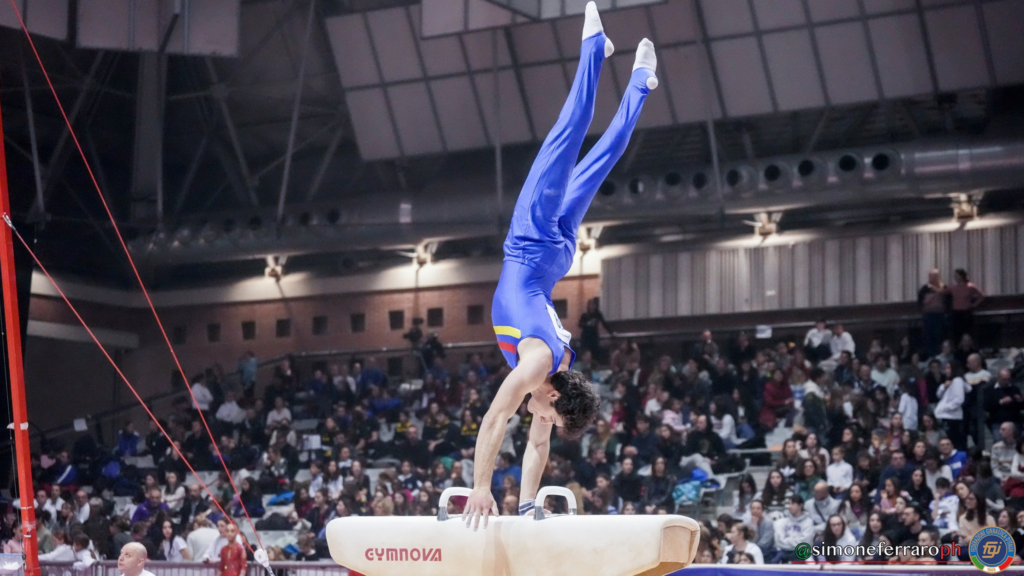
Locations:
{"points": [[571, 403]]}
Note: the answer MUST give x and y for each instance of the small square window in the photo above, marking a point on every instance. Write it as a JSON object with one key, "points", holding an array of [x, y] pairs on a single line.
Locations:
{"points": [[319, 325], [179, 335], [435, 317], [249, 330], [561, 308], [213, 332], [283, 328], [396, 366], [475, 314], [396, 319], [358, 321]]}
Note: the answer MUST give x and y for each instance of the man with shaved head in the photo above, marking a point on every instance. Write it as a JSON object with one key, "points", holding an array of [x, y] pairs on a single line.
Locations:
{"points": [[132, 561]]}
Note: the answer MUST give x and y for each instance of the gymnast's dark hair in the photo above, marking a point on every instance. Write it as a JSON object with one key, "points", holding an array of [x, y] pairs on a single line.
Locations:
{"points": [[577, 402]]}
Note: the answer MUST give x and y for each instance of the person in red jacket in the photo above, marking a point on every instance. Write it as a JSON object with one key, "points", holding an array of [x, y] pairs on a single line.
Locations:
{"points": [[778, 401], [232, 556]]}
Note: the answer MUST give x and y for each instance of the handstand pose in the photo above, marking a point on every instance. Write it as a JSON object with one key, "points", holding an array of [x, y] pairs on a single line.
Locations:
{"points": [[539, 250]]}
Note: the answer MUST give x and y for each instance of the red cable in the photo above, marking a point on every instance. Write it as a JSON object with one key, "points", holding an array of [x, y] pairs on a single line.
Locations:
{"points": [[123, 377], [131, 261]]}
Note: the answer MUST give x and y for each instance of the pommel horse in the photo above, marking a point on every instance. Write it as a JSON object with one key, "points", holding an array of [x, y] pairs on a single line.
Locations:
{"points": [[563, 545]]}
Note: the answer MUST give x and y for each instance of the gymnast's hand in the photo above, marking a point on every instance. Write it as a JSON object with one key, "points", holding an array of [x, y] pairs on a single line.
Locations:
{"points": [[480, 503]]}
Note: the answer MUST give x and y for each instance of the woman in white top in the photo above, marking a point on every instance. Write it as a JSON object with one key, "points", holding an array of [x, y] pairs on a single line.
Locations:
{"points": [[62, 552], [723, 422], [174, 492], [739, 537], [812, 447], [908, 405], [950, 409], [838, 535], [173, 547]]}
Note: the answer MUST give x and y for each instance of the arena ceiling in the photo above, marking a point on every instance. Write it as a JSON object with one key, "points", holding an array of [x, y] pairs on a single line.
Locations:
{"points": [[228, 116]]}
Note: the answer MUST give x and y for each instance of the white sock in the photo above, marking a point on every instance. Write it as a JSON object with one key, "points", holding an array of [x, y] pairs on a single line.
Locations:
{"points": [[646, 58], [592, 25]]}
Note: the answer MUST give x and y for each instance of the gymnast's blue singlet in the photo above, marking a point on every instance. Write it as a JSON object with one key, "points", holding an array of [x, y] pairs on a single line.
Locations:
{"points": [[541, 240]]}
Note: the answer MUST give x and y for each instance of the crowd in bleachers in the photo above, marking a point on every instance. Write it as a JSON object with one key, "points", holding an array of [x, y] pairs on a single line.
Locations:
{"points": [[878, 444]]}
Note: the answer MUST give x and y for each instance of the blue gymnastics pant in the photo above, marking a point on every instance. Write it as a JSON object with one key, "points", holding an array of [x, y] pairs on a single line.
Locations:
{"points": [[541, 240]]}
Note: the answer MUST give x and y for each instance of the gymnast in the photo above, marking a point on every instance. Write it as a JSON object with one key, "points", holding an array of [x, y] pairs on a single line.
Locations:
{"points": [[539, 251]]}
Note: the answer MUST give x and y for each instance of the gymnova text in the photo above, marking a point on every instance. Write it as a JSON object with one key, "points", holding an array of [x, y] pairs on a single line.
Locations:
{"points": [[403, 554]]}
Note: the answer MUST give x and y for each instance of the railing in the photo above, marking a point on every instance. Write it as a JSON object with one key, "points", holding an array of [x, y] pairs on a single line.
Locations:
{"points": [[109, 568]]}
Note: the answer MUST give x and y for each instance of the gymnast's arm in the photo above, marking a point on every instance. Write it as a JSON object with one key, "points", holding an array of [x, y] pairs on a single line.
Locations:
{"points": [[535, 459], [534, 365]]}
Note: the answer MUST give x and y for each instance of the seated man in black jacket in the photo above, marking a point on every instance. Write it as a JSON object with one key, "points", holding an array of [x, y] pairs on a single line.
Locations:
{"points": [[703, 441], [1003, 402]]}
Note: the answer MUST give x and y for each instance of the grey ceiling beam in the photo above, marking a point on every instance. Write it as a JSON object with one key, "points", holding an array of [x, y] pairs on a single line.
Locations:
{"points": [[220, 94], [325, 163], [764, 56], [283, 194], [819, 129], [193, 167], [170, 28], [384, 89], [56, 163], [816, 52], [300, 146], [248, 57], [39, 207]]}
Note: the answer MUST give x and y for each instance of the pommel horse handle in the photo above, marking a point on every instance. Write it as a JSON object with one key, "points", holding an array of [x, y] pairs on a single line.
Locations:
{"points": [[538, 513], [442, 503]]}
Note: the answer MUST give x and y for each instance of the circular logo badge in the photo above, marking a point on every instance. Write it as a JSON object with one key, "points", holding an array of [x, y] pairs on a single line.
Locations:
{"points": [[992, 550]]}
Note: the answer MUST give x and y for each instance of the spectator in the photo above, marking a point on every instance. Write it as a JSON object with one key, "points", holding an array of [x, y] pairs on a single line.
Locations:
{"points": [[82, 506], [1003, 402], [933, 299], [230, 414], [54, 502], [84, 557], [778, 401], [172, 547], [1014, 485], [950, 409], [193, 506], [974, 517], [279, 415], [764, 528], [796, 527], [590, 325], [823, 506], [127, 441], [841, 342], [837, 536], [897, 468], [203, 397], [149, 508], [1004, 451], [908, 404], [64, 472], [873, 530], [884, 375], [62, 552], [839, 473], [952, 457], [776, 493], [739, 536], [627, 483], [818, 342], [658, 487], [704, 442], [965, 298]]}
